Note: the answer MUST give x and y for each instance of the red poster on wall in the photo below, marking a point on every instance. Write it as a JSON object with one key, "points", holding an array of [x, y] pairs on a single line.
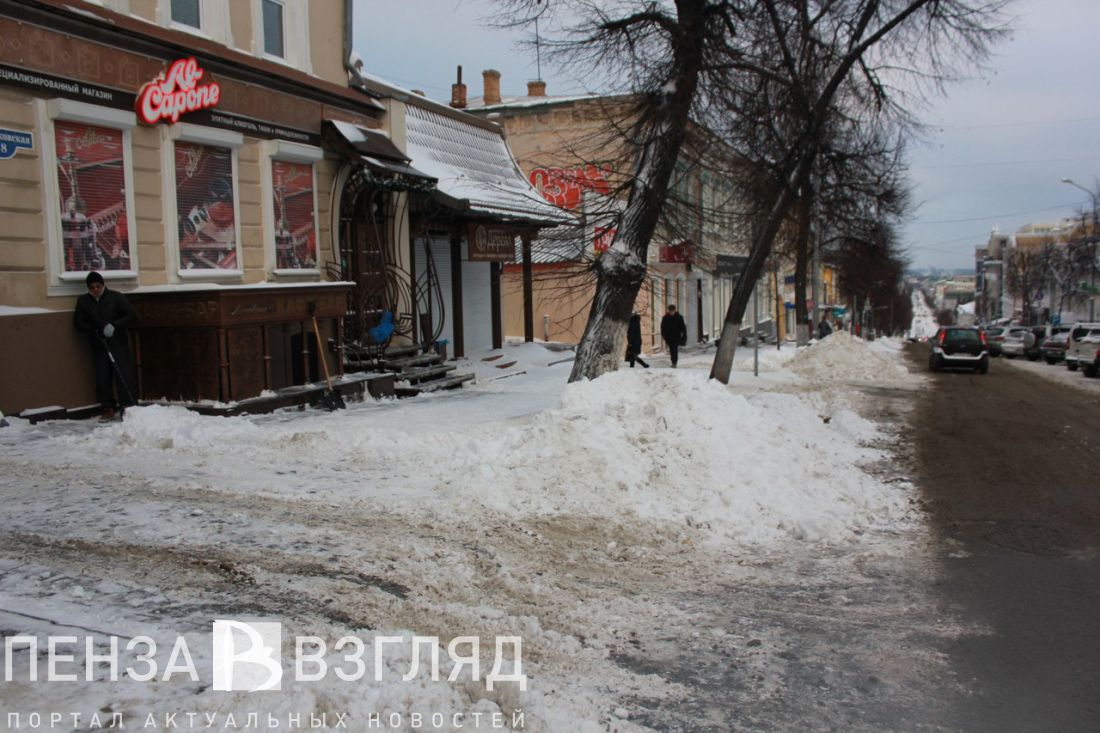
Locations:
{"points": [[205, 207], [603, 237], [295, 238], [92, 183]]}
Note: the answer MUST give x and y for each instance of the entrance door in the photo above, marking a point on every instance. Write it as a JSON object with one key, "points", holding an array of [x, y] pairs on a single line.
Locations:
{"points": [[477, 306], [435, 302]]}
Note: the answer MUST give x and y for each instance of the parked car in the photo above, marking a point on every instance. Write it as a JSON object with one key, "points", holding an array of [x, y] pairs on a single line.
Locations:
{"points": [[1054, 346], [1082, 347], [995, 336], [1024, 341], [959, 347]]}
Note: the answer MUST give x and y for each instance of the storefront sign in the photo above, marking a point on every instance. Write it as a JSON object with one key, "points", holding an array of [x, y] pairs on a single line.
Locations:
{"points": [[176, 92], [565, 187], [678, 253], [55, 86], [491, 243], [603, 237], [730, 266], [12, 140], [253, 128]]}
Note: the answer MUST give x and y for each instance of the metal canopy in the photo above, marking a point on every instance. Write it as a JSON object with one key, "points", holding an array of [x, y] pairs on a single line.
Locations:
{"points": [[377, 153]]}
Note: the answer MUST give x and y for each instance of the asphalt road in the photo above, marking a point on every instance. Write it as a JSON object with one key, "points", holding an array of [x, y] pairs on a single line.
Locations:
{"points": [[1009, 465]]}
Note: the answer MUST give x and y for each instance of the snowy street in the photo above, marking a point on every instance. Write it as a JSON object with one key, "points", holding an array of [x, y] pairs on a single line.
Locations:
{"points": [[674, 554]]}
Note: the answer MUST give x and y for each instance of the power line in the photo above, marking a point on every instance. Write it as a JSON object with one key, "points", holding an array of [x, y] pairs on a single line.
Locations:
{"points": [[932, 245], [1000, 216], [1065, 120], [1074, 159]]}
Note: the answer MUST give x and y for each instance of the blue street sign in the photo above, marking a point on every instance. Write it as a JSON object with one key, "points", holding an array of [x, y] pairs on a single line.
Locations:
{"points": [[12, 140]]}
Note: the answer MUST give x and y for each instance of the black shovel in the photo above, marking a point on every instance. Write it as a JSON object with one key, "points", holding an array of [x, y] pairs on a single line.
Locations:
{"points": [[330, 398], [118, 371]]}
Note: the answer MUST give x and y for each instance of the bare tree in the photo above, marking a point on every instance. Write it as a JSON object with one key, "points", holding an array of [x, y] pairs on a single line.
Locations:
{"points": [[800, 65], [1026, 271], [831, 59]]}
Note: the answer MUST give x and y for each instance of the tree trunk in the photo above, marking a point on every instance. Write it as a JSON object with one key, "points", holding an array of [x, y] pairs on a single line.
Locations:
{"points": [[802, 256], [620, 271], [762, 242]]}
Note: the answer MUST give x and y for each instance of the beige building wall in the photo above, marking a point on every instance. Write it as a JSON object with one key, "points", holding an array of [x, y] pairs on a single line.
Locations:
{"points": [[148, 214], [22, 256], [562, 298], [326, 42]]}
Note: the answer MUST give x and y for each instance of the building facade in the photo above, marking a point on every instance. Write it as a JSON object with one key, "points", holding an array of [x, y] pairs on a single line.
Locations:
{"points": [[572, 150], [224, 166]]}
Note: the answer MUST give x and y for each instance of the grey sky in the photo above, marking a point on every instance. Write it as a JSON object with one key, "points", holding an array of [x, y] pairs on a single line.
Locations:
{"points": [[996, 156]]}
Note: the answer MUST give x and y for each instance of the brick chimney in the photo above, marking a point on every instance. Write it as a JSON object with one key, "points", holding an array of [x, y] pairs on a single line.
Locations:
{"points": [[458, 92], [491, 86], [536, 88]]}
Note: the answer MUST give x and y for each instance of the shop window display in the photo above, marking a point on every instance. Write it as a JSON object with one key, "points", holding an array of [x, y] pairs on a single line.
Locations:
{"points": [[91, 183], [205, 207], [295, 237]]}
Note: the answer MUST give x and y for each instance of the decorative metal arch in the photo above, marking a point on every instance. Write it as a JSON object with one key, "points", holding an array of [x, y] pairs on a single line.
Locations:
{"points": [[372, 210]]}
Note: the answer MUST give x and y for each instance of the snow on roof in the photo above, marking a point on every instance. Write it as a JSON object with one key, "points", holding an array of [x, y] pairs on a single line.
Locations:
{"points": [[565, 243], [474, 164], [478, 103]]}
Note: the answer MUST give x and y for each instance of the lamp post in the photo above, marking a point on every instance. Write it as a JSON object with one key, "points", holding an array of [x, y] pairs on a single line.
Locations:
{"points": [[1092, 247]]}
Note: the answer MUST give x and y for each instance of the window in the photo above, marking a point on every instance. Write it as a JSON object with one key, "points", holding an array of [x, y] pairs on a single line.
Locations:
{"points": [[91, 182], [290, 207], [205, 207], [186, 12], [273, 27], [205, 18], [88, 185], [272, 40], [295, 233]]}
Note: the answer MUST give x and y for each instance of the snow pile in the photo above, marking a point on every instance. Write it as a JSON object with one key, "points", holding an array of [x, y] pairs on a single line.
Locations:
{"points": [[662, 445], [843, 358], [634, 445]]}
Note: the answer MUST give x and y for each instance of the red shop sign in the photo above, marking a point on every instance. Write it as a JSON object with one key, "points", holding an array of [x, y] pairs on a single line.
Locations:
{"points": [[678, 253], [176, 92]]}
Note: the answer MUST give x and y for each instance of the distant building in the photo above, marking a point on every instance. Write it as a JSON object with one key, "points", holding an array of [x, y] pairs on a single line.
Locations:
{"points": [[568, 148]]}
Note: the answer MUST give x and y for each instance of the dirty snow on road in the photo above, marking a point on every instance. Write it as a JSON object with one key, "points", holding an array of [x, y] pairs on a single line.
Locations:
{"points": [[1055, 373], [595, 521]]}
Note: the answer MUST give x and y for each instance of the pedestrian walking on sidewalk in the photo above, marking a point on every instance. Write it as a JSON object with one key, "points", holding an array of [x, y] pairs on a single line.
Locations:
{"points": [[103, 316], [674, 332], [634, 341], [823, 328]]}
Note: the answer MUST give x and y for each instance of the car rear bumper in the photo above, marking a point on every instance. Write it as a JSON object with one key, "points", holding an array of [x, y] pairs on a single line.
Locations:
{"points": [[959, 359]]}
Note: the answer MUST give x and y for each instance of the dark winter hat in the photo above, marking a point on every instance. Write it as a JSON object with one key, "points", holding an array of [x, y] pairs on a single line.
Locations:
{"points": [[93, 277]]}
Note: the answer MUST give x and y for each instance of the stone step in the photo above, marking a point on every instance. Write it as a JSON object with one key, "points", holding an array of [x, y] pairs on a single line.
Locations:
{"points": [[420, 374], [406, 362], [435, 385]]}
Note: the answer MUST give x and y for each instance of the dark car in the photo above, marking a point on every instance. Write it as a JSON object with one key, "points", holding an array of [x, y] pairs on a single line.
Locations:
{"points": [[995, 336], [1054, 346], [959, 347]]}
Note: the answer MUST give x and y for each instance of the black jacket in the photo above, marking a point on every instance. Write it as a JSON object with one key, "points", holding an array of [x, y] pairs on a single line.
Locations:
{"points": [[673, 329], [634, 335], [92, 315]]}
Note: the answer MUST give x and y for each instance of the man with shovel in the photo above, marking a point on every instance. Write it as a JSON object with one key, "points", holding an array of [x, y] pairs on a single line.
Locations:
{"points": [[103, 315]]}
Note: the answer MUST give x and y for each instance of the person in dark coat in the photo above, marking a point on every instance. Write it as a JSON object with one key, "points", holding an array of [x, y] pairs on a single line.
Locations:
{"points": [[103, 316], [674, 332], [823, 328], [634, 341]]}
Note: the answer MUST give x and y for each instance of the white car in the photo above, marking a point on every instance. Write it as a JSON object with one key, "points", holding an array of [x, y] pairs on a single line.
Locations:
{"points": [[1083, 348], [1019, 341]]}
